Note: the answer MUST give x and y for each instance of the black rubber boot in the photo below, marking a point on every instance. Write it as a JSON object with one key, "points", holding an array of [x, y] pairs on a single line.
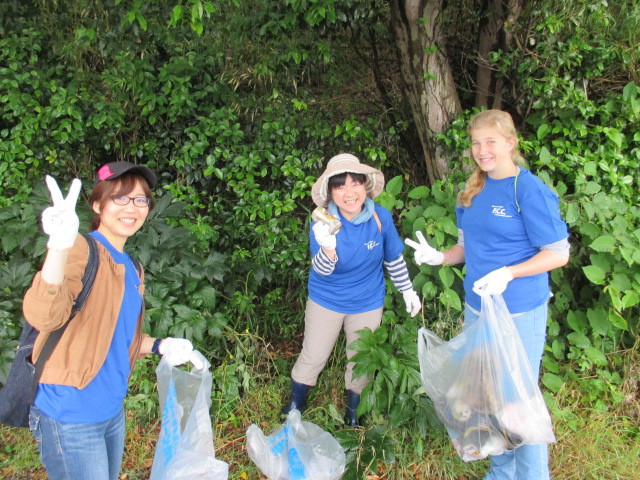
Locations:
{"points": [[350, 414], [298, 400]]}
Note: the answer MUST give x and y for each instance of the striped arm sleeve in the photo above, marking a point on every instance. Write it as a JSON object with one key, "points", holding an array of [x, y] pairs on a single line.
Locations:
{"points": [[322, 264], [399, 274]]}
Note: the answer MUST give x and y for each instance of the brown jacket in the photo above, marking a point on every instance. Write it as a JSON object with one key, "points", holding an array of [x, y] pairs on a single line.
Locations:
{"points": [[84, 345]]}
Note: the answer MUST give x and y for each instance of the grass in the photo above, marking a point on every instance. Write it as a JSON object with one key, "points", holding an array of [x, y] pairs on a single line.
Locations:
{"points": [[604, 447], [591, 445]]}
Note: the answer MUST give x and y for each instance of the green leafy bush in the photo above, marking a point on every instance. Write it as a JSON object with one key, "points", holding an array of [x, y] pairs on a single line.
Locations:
{"points": [[238, 109]]}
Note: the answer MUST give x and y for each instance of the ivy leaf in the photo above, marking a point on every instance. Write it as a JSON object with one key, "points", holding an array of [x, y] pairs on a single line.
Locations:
{"points": [[449, 226], [552, 381], [544, 156], [394, 186], [578, 339], [550, 364], [594, 274], [420, 192], [576, 322], [446, 277], [629, 91], [596, 356], [572, 213], [386, 200], [429, 290], [591, 168], [592, 188], [617, 321], [630, 299], [451, 299], [598, 320], [543, 131], [621, 282], [605, 243], [435, 211], [557, 348], [615, 136], [205, 297], [176, 13]]}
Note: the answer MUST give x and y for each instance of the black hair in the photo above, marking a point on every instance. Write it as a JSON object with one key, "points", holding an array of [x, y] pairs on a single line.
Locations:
{"points": [[339, 180]]}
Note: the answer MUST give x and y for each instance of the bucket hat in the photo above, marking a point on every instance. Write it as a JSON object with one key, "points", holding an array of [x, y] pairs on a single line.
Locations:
{"points": [[346, 163]]}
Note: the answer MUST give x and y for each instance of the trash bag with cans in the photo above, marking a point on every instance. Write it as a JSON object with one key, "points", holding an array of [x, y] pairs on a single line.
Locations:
{"points": [[482, 386]]}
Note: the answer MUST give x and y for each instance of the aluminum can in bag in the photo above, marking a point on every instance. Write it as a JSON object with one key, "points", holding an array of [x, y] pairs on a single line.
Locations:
{"points": [[321, 214]]}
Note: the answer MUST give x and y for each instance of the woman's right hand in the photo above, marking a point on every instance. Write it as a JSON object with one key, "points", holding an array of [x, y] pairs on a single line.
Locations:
{"points": [[323, 236], [60, 221], [424, 253]]}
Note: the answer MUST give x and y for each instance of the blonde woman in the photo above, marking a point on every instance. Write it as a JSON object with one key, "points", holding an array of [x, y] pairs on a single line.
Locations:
{"points": [[510, 234]]}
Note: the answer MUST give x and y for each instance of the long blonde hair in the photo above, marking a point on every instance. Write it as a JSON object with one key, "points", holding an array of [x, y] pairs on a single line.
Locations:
{"points": [[503, 123]]}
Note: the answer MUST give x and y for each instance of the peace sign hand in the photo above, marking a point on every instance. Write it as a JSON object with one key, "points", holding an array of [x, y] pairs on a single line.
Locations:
{"points": [[60, 221], [424, 253]]}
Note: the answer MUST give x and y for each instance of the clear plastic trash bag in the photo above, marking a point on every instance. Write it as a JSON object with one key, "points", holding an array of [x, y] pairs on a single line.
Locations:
{"points": [[482, 386], [185, 446], [297, 450]]}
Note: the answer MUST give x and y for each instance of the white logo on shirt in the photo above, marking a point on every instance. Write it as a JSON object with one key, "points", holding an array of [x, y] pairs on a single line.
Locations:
{"points": [[371, 245], [499, 211]]}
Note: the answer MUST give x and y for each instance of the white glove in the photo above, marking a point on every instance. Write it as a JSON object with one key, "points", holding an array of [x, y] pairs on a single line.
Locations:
{"points": [[493, 283], [178, 351], [412, 301], [323, 237], [424, 253], [60, 221]]}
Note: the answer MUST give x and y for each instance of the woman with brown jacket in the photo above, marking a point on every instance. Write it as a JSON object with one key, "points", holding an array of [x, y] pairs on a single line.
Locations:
{"points": [[77, 416]]}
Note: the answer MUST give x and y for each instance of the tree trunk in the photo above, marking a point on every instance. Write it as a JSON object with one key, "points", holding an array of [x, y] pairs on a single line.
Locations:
{"points": [[497, 17], [430, 87]]}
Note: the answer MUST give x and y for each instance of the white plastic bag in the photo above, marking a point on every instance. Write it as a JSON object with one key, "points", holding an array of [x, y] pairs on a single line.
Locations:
{"points": [[298, 450], [185, 447], [482, 386]]}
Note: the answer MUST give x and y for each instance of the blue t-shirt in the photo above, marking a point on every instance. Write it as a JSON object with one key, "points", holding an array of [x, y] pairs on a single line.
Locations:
{"points": [[357, 283], [496, 234], [102, 398]]}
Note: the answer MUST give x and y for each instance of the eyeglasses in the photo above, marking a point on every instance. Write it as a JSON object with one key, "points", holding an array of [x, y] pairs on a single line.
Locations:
{"points": [[139, 202]]}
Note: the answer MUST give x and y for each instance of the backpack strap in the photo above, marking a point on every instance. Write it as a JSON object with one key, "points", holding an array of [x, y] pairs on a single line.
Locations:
{"points": [[136, 264], [377, 219], [515, 190], [54, 337]]}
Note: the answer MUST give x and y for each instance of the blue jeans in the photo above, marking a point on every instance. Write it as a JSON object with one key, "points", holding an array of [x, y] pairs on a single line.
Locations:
{"points": [[527, 462], [73, 451]]}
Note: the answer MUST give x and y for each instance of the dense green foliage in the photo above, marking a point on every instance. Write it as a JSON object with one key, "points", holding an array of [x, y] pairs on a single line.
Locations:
{"points": [[238, 105]]}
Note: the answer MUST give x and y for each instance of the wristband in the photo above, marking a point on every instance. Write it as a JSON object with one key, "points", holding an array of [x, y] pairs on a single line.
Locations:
{"points": [[156, 345]]}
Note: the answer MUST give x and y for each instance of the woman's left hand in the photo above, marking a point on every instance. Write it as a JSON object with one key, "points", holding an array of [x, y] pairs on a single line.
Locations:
{"points": [[178, 351], [412, 301], [424, 253]]}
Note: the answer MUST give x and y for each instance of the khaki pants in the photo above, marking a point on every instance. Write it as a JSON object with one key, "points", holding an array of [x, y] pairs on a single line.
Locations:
{"points": [[321, 329]]}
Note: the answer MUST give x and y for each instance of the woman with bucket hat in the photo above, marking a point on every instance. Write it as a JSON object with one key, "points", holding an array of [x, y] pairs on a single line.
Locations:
{"points": [[346, 282], [77, 417]]}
